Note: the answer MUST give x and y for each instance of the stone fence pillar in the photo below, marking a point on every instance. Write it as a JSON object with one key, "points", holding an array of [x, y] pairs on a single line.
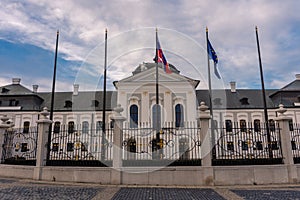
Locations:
{"points": [[117, 144], [286, 146], [206, 147], [41, 152], [4, 126]]}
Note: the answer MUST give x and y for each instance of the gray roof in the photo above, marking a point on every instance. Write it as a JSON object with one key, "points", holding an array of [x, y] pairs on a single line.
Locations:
{"points": [[15, 89], [81, 102], [295, 85], [234, 99]]}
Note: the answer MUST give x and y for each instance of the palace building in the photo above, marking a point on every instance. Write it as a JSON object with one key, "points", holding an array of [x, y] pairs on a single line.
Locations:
{"points": [[178, 101]]}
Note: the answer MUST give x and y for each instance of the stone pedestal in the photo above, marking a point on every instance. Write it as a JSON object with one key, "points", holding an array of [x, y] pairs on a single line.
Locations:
{"points": [[41, 152], [206, 147], [286, 145], [117, 144]]}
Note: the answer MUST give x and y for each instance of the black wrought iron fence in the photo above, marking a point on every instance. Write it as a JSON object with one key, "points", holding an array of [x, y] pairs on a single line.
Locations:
{"points": [[78, 145], [295, 141], [247, 145], [144, 146], [19, 147]]}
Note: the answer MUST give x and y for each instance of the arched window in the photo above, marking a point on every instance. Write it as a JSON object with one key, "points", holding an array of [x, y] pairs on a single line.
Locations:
{"points": [[70, 127], [99, 125], [156, 117], [134, 116], [228, 125], [26, 127], [256, 125], [85, 127], [179, 117], [56, 127], [272, 125], [243, 125]]}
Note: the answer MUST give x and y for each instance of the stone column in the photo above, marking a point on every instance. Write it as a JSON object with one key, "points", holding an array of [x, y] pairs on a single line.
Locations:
{"points": [[117, 144], [4, 126], [41, 152], [286, 146], [203, 119]]}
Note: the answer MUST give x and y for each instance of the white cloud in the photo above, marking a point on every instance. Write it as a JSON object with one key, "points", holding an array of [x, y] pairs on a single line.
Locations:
{"points": [[231, 28]]}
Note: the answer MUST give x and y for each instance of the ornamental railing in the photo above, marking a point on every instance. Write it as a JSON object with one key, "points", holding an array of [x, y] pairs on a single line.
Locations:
{"points": [[295, 141], [247, 144], [171, 145], [80, 146], [20, 145]]}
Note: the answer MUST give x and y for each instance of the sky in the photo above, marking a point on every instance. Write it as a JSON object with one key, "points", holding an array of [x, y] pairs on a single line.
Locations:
{"points": [[28, 34]]}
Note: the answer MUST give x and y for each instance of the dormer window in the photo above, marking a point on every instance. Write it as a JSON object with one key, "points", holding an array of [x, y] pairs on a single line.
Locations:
{"points": [[4, 90], [68, 104], [244, 101], [95, 103]]}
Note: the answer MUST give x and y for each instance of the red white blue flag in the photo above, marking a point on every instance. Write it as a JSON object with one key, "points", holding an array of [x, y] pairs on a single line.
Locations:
{"points": [[161, 58]]}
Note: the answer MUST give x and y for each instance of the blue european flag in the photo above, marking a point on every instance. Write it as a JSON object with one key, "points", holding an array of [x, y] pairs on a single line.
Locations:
{"points": [[212, 55]]}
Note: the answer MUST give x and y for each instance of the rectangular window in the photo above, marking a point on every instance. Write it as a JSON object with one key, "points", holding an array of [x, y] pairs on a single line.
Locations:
{"points": [[230, 146], [274, 145], [244, 145], [70, 146], [24, 147], [55, 147], [258, 146], [13, 102], [84, 146], [26, 127]]}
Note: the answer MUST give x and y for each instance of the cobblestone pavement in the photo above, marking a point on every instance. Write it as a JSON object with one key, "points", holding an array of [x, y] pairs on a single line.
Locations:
{"points": [[166, 193], [29, 189]]}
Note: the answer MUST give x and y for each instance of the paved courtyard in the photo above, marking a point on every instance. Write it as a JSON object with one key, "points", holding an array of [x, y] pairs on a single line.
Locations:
{"points": [[28, 189]]}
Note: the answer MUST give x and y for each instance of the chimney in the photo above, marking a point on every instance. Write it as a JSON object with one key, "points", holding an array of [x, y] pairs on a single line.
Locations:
{"points": [[233, 86], [16, 81], [76, 88], [35, 88], [297, 76]]}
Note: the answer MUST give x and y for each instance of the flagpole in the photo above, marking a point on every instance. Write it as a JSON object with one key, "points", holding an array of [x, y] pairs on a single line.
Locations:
{"points": [[264, 96], [52, 96], [209, 76], [157, 86], [104, 98], [54, 77], [210, 98]]}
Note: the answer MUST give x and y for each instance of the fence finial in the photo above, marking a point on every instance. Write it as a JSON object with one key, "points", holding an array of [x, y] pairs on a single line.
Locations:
{"points": [[203, 107], [44, 113], [4, 119], [118, 110], [281, 110]]}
